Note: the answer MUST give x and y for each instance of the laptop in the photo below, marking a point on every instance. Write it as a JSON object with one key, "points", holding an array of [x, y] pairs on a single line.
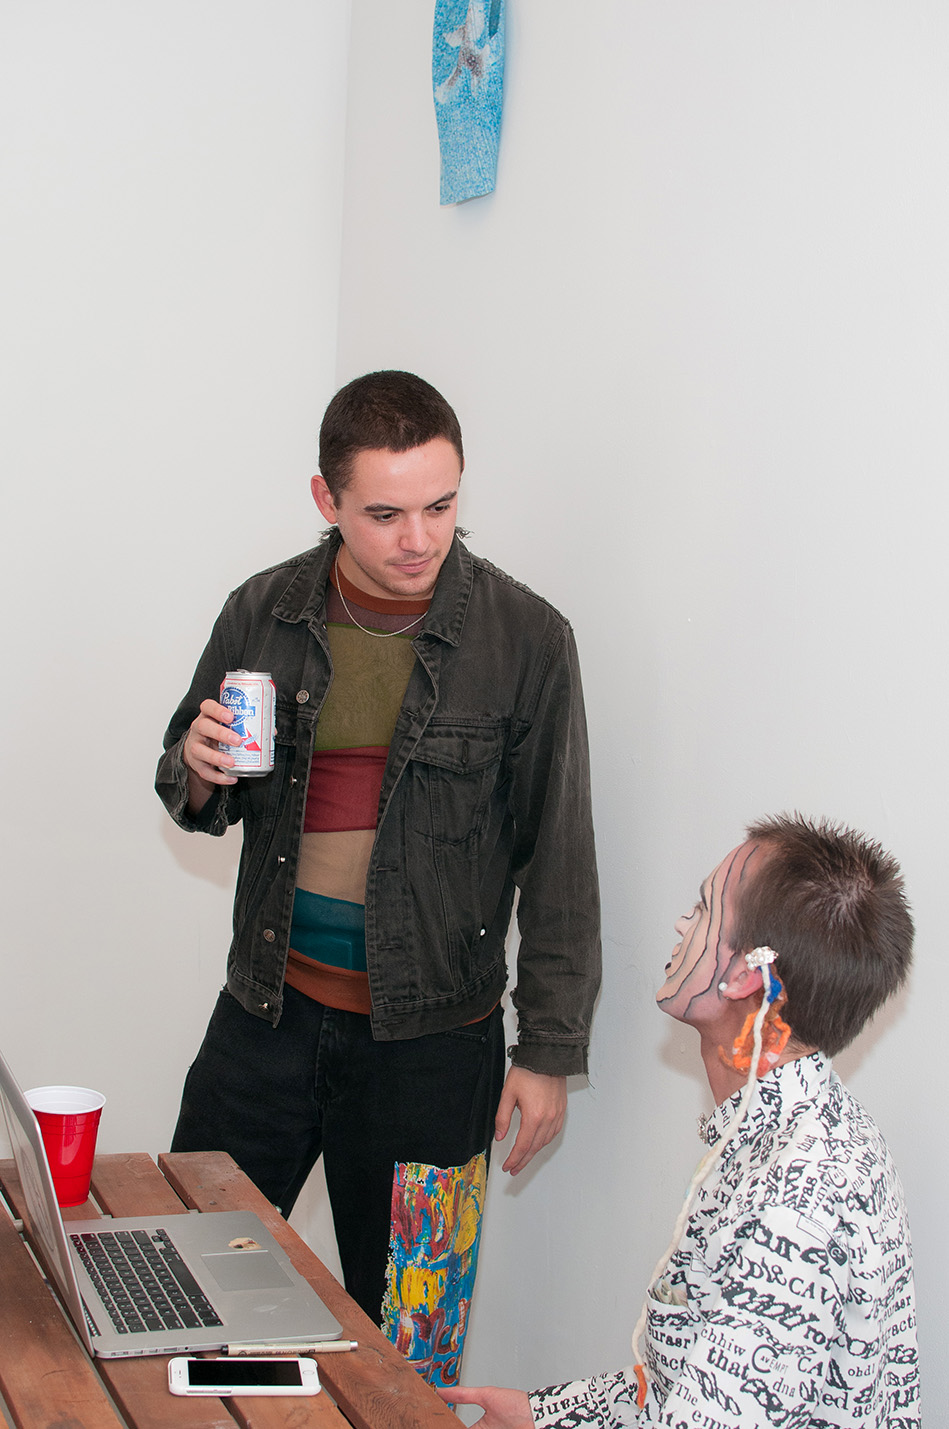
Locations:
{"points": [[166, 1284]]}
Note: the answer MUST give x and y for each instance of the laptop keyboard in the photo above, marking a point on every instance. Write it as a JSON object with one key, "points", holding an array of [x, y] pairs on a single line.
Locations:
{"points": [[143, 1282]]}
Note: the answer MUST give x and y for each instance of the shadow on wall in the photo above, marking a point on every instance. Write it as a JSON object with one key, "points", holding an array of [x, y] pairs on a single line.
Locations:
{"points": [[200, 856], [848, 1062]]}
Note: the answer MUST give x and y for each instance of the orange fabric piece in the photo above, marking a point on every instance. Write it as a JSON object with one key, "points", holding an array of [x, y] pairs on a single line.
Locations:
{"points": [[334, 987], [774, 1038]]}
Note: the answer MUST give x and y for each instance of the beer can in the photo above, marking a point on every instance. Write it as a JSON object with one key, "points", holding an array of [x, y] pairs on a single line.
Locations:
{"points": [[251, 696]]}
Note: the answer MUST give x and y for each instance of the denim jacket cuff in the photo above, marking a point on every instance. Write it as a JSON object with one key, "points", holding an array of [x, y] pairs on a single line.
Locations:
{"points": [[172, 786], [553, 1059]]}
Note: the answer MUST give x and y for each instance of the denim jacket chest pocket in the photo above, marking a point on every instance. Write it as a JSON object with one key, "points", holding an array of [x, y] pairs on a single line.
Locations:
{"points": [[451, 777]]}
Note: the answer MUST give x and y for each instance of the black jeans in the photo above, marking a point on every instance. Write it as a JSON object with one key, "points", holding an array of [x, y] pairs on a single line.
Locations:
{"points": [[275, 1098]]}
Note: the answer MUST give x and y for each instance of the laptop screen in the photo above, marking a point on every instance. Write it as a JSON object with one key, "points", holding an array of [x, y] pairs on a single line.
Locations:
{"points": [[41, 1210]]}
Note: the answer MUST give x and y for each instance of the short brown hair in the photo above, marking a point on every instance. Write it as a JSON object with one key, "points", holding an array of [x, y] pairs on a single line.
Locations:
{"points": [[392, 411], [830, 902]]}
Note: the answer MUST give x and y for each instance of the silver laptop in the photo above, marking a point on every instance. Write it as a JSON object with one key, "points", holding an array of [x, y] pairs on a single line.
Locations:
{"points": [[161, 1285]]}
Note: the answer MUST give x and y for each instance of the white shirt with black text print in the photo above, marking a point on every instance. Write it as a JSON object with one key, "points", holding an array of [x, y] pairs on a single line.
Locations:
{"points": [[794, 1282]]}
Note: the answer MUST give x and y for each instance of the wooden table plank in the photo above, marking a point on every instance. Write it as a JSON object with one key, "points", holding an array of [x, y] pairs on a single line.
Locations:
{"points": [[45, 1375], [124, 1184], [287, 1412], [373, 1386]]}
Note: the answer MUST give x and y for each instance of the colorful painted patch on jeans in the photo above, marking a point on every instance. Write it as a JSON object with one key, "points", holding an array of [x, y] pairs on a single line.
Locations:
{"points": [[433, 1257]]}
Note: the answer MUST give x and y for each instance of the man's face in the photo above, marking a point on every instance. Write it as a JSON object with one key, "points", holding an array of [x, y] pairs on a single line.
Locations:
{"points": [[396, 517], [703, 958]]}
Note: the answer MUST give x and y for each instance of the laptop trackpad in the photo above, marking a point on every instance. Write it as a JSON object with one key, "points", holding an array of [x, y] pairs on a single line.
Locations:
{"points": [[246, 1270]]}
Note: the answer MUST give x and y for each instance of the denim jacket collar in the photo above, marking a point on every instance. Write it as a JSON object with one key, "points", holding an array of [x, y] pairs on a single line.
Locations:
{"points": [[305, 596]]}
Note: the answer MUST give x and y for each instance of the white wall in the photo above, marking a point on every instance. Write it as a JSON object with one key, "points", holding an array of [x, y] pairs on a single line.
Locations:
{"points": [[172, 186], [698, 342]]}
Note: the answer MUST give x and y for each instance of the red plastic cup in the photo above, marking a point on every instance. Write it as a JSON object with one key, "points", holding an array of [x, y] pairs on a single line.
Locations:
{"points": [[69, 1121]]}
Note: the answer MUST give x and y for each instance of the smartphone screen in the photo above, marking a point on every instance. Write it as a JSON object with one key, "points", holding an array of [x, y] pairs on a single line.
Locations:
{"points": [[269, 1373], [241, 1374]]}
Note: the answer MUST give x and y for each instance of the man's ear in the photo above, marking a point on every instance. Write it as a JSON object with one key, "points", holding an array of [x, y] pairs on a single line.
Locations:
{"points": [[742, 981], [324, 499]]}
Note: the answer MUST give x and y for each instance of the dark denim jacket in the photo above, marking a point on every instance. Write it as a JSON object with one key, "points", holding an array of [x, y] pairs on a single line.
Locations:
{"points": [[486, 788]]}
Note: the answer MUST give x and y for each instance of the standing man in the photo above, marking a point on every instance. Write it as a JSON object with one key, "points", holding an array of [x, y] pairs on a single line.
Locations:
{"points": [[787, 1299], [431, 760]]}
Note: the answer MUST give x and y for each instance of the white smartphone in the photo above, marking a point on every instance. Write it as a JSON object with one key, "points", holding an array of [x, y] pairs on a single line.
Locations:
{"points": [[243, 1374]]}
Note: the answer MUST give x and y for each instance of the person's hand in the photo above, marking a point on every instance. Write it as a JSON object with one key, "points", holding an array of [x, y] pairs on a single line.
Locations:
{"points": [[207, 765], [503, 1408], [542, 1103]]}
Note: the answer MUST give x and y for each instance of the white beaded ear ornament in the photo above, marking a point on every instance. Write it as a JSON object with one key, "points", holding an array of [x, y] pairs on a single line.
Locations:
{"points": [[756, 958]]}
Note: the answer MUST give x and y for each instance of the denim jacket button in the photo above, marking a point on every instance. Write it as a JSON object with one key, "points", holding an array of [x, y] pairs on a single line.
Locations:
{"points": [[269, 935], [302, 696]]}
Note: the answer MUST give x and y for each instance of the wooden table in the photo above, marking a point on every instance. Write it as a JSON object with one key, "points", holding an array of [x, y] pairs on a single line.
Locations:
{"points": [[48, 1381]]}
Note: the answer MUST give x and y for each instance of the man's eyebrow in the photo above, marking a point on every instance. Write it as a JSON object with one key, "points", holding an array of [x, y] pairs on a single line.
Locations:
{"points": [[391, 506], [703, 895]]}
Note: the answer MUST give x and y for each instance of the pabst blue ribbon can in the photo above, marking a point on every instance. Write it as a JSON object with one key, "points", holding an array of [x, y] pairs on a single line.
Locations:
{"points": [[251, 696]]}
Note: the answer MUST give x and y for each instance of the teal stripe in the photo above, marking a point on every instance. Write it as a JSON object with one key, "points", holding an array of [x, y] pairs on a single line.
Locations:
{"points": [[329, 930]]}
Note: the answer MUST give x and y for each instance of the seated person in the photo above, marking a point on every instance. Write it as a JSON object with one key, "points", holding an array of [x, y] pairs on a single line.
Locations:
{"points": [[786, 1296]]}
